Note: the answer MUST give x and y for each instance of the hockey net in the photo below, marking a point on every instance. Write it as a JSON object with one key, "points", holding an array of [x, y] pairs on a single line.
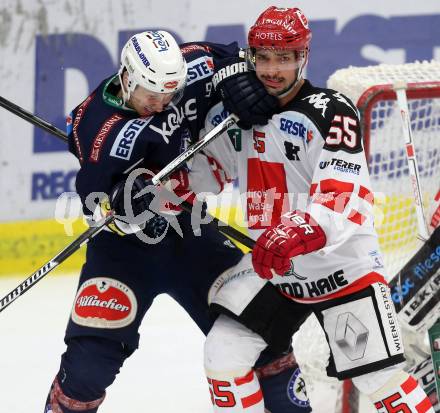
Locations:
{"points": [[372, 90]]}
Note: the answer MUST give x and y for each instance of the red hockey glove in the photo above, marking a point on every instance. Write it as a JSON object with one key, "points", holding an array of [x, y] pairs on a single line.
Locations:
{"points": [[179, 184], [297, 233]]}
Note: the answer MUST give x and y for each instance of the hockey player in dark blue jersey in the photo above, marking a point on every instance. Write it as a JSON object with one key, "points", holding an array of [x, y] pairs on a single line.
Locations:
{"points": [[145, 116]]}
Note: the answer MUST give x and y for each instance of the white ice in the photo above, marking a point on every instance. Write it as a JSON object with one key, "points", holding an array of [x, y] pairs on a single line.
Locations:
{"points": [[164, 375]]}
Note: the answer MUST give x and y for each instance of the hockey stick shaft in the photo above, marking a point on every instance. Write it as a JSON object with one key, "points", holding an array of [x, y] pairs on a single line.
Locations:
{"points": [[86, 236], [54, 262], [30, 117], [162, 175], [410, 152]]}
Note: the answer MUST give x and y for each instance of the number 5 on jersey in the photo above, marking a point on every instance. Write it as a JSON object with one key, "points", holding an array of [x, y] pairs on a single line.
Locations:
{"points": [[259, 144], [219, 396]]}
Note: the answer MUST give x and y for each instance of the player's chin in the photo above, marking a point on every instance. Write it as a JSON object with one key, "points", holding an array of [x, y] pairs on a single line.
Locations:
{"points": [[272, 90], [145, 112]]}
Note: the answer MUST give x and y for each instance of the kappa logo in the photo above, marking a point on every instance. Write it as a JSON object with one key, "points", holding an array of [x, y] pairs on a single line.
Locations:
{"points": [[341, 98], [175, 118], [319, 101]]}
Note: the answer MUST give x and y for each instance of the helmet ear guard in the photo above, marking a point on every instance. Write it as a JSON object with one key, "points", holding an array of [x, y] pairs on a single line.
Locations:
{"points": [[153, 60]]}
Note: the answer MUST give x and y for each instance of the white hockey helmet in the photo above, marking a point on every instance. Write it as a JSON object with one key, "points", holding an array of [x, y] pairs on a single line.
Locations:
{"points": [[154, 61]]}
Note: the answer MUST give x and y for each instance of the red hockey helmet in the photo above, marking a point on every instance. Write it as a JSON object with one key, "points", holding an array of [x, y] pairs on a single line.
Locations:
{"points": [[280, 28]]}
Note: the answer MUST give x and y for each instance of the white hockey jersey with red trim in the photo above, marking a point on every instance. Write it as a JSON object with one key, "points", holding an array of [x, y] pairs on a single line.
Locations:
{"points": [[309, 157]]}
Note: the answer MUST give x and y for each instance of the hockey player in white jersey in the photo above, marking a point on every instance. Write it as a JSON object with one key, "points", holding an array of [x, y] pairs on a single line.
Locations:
{"points": [[304, 183]]}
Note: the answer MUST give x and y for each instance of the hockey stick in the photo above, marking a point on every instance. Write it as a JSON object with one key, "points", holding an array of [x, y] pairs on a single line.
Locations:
{"points": [[160, 177], [400, 89], [30, 117], [54, 262], [91, 232], [412, 280]]}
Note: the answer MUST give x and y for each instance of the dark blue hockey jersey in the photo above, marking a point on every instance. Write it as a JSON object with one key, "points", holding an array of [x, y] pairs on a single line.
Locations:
{"points": [[108, 139]]}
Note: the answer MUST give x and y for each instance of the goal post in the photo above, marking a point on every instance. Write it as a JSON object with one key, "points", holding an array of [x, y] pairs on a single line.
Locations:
{"points": [[372, 89]]}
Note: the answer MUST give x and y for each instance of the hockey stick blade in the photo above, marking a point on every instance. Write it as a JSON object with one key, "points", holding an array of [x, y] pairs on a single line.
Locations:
{"points": [[160, 177], [415, 289], [54, 262]]}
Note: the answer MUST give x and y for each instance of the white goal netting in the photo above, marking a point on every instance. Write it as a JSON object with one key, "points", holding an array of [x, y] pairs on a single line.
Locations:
{"points": [[371, 89]]}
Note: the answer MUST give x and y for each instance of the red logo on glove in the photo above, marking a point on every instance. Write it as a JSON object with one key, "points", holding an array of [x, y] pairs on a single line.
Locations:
{"points": [[296, 234]]}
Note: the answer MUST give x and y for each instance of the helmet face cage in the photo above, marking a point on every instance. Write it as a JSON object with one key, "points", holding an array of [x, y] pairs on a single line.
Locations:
{"points": [[153, 60], [280, 30], [299, 61]]}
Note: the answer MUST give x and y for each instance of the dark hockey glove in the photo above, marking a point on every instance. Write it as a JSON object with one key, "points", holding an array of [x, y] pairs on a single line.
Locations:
{"points": [[128, 204], [130, 200], [243, 94]]}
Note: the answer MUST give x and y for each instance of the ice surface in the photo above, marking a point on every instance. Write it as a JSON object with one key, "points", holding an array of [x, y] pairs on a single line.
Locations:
{"points": [[164, 376]]}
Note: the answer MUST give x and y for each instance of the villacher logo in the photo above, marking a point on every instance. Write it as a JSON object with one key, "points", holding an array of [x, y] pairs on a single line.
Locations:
{"points": [[104, 303]]}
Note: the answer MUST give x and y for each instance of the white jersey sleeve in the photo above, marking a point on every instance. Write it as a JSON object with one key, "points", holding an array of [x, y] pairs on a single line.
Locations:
{"points": [[340, 200], [216, 165]]}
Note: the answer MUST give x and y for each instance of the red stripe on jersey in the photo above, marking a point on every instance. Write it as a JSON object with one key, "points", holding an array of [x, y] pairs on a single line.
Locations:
{"points": [[245, 379], [409, 385], [435, 220], [358, 285], [252, 399], [356, 217], [437, 197], [334, 194], [101, 136], [366, 194], [313, 188], [266, 190], [424, 405], [333, 185]]}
